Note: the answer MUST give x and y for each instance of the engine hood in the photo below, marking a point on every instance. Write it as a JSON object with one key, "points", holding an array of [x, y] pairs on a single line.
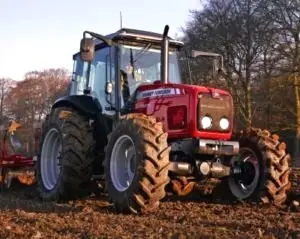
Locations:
{"points": [[159, 99], [170, 89]]}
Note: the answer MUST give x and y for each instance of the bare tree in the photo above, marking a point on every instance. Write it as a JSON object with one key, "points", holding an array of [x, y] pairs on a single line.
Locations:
{"points": [[5, 86], [286, 15], [31, 99], [238, 30]]}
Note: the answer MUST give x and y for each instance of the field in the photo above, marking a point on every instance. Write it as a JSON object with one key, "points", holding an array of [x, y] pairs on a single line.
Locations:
{"points": [[23, 215]]}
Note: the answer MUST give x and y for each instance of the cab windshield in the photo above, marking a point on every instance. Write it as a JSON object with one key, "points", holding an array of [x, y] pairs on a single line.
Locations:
{"points": [[141, 65]]}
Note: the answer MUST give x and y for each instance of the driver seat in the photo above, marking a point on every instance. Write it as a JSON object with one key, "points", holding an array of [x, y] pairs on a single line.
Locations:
{"points": [[125, 86]]}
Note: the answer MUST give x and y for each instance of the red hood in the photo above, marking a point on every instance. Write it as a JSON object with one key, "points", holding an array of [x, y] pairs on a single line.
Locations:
{"points": [[183, 88], [155, 100]]}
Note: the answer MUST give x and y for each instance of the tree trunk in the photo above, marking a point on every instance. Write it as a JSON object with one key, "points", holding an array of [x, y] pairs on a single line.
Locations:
{"points": [[2, 103], [248, 98], [297, 101], [248, 107], [297, 96]]}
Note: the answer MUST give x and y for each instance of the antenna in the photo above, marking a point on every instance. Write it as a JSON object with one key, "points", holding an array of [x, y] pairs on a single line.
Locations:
{"points": [[121, 23]]}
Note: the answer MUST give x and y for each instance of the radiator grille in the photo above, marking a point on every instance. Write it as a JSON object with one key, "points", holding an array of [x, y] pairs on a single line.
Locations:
{"points": [[216, 108]]}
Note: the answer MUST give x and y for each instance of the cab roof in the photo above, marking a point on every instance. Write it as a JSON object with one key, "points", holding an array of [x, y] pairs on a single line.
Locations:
{"points": [[135, 34]]}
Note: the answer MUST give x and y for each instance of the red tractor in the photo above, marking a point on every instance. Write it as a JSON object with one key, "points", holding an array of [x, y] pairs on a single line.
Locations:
{"points": [[130, 121]]}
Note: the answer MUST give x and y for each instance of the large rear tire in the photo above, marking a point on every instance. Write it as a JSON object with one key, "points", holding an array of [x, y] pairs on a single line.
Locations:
{"points": [[264, 168], [136, 164], [64, 164]]}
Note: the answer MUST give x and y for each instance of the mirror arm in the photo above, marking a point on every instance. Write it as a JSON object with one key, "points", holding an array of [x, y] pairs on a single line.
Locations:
{"points": [[99, 37]]}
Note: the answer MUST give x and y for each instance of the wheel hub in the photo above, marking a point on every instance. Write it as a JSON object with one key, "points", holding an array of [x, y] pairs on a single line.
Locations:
{"points": [[123, 163], [50, 158], [245, 174]]}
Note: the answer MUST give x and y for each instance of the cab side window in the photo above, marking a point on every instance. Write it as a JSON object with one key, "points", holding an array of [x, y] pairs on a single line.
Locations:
{"points": [[101, 71], [79, 79]]}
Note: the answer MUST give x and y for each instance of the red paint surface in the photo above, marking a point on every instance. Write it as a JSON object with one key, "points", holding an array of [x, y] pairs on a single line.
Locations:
{"points": [[13, 160], [157, 106]]}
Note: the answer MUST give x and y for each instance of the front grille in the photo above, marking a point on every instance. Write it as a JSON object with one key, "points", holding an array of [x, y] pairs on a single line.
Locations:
{"points": [[216, 108]]}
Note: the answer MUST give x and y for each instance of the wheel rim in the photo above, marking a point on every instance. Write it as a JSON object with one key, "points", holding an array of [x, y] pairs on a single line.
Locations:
{"points": [[50, 158], [123, 163], [245, 176]]}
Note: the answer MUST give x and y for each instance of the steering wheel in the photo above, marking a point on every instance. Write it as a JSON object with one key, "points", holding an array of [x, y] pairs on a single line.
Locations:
{"points": [[135, 84]]}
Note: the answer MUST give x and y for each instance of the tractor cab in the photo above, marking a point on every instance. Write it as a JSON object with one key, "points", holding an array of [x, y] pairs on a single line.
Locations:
{"points": [[134, 58]]}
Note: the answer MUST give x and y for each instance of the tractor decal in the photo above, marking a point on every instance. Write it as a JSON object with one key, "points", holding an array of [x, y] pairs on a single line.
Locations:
{"points": [[158, 92]]}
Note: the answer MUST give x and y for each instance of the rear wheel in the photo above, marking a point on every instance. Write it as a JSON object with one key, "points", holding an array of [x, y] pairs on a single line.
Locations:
{"points": [[261, 170], [136, 165], [64, 164]]}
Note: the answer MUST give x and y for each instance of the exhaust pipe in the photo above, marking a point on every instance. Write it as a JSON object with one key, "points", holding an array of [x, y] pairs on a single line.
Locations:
{"points": [[181, 168], [215, 169], [164, 66]]}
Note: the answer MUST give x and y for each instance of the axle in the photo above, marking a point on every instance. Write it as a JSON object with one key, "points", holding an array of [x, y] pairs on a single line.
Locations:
{"points": [[212, 169]]}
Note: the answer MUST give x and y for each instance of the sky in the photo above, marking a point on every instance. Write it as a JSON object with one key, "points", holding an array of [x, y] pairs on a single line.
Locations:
{"points": [[41, 34]]}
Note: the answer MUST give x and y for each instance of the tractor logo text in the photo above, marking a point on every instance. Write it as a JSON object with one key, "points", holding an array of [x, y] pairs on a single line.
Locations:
{"points": [[159, 92]]}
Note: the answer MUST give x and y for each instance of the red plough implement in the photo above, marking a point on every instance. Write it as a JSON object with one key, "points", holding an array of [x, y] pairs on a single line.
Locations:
{"points": [[16, 159]]}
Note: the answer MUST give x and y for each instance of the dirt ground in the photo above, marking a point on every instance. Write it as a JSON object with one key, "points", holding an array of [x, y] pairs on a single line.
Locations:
{"points": [[23, 215]]}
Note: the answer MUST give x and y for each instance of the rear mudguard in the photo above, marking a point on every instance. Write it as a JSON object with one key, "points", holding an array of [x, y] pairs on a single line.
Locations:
{"points": [[90, 107], [83, 103]]}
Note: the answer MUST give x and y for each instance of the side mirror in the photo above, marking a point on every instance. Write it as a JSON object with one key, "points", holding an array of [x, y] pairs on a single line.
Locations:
{"points": [[217, 61], [221, 73], [87, 49], [108, 88]]}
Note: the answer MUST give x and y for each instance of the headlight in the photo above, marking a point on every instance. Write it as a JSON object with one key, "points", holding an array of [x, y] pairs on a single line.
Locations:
{"points": [[206, 122], [224, 123]]}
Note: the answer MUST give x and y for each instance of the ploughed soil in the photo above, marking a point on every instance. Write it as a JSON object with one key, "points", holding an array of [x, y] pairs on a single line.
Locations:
{"points": [[23, 215]]}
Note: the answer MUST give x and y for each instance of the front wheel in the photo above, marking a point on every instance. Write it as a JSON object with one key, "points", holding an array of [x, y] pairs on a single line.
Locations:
{"points": [[261, 170], [136, 165]]}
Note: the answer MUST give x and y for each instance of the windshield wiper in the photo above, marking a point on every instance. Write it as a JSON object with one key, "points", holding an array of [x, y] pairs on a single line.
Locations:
{"points": [[140, 53], [132, 63]]}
